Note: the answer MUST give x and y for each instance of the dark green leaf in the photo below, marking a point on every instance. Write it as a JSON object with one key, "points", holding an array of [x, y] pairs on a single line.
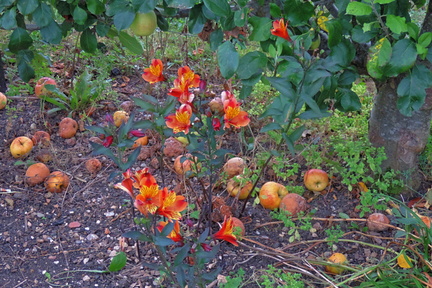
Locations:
{"points": [[96, 129], [163, 241], [131, 43], [99, 149], [118, 262], [212, 275], [360, 36], [144, 6], [88, 41], [79, 15], [270, 127], [228, 59], [43, 15], [196, 19], [404, 55], [132, 158], [27, 7], [181, 255], [298, 12], [261, 27], [19, 40], [216, 38], [220, 8], [283, 86], [26, 72], [251, 64], [124, 19], [335, 32], [136, 235], [347, 100], [95, 7], [240, 17], [162, 22], [8, 19], [52, 33]]}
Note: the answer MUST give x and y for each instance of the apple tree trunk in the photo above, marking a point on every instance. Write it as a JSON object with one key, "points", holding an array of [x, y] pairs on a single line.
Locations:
{"points": [[403, 138]]}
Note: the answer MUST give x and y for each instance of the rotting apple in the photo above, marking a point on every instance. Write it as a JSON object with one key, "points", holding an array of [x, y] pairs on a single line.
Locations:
{"points": [[93, 165], [40, 89], [36, 174], [293, 204], [184, 163], [120, 117], [237, 185], [21, 147], [271, 193], [3, 100], [238, 226], [336, 258], [41, 138], [234, 166], [144, 24], [377, 222], [68, 127], [316, 180], [57, 182]]}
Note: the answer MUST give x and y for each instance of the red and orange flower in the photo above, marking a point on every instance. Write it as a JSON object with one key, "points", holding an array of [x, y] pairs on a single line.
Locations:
{"points": [[171, 204], [154, 74], [280, 29], [234, 115], [174, 234], [226, 232], [180, 121], [186, 79]]}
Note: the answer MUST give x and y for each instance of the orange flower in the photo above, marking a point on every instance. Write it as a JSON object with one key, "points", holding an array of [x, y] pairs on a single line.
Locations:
{"points": [[181, 91], [188, 76], [126, 185], [233, 114], [154, 74], [148, 199], [141, 177], [174, 234], [280, 29], [171, 204], [144, 178], [226, 232], [180, 121]]}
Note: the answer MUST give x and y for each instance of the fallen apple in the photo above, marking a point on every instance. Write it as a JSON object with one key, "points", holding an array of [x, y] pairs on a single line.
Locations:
{"points": [[377, 222], [40, 89], [271, 193], [142, 141], [216, 106], [293, 204], [36, 173], [41, 138], [234, 166], [144, 24], [3, 100], [173, 147], [21, 147], [237, 185], [120, 117], [316, 180], [239, 227], [57, 182], [68, 127], [184, 163], [44, 156], [336, 258], [93, 165]]}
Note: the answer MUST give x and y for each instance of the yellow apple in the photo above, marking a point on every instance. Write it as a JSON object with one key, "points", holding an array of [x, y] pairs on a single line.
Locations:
{"points": [[120, 117], [21, 147], [36, 173], [271, 193], [316, 180], [40, 89], [3, 100], [57, 182], [336, 258], [238, 185], [144, 24]]}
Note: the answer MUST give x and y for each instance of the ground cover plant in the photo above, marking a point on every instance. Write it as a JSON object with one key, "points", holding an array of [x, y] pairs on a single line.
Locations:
{"points": [[236, 145]]}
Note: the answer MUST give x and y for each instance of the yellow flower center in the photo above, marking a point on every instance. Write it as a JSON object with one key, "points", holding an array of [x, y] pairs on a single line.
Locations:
{"points": [[183, 117], [156, 70], [232, 112]]}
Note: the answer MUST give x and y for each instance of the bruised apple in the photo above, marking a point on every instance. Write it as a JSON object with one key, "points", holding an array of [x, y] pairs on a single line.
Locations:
{"points": [[377, 222], [120, 117], [234, 166], [93, 165], [238, 187], [21, 147], [57, 182], [271, 193], [184, 164], [36, 173], [144, 24], [293, 204], [316, 180], [3, 100], [336, 258], [238, 226], [41, 138], [68, 127], [40, 89]]}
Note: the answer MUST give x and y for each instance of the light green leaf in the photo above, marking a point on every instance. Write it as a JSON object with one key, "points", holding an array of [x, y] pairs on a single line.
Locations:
{"points": [[79, 15], [118, 262], [383, 1], [396, 24], [413, 30], [358, 9], [379, 56], [131, 43], [425, 39], [228, 59]]}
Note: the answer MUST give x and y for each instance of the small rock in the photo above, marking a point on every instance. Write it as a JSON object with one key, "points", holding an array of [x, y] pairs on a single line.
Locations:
{"points": [[92, 237], [74, 224], [86, 278], [109, 214]]}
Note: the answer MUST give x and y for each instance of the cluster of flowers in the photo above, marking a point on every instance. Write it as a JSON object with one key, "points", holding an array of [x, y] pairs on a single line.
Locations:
{"points": [[186, 80], [155, 201]]}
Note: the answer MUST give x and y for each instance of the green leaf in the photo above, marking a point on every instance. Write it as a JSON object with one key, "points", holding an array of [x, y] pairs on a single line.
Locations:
{"points": [[43, 15], [218, 7], [383, 1], [396, 24], [240, 17], [413, 30], [95, 7], [250, 64], [25, 70], [261, 27], [144, 6], [118, 262], [283, 86], [347, 100], [425, 39], [163, 241], [124, 19], [8, 19], [88, 41], [228, 59], [27, 7], [271, 126], [19, 40], [335, 32], [52, 33], [196, 19], [131, 43], [216, 38], [404, 55], [298, 12], [379, 56], [358, 9], [181, 255], [136, 235], [79, 15]]}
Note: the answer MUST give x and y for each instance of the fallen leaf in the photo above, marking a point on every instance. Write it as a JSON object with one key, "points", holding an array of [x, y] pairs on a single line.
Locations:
{"points": [[404, 261]]}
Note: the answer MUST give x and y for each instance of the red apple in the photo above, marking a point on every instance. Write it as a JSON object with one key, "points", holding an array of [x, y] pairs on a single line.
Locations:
{"points": [[238, 226], [40, 89], [36, 173], [21, 147], [41, 138], [377, 222], [316, 180], [293, 203], [3, 100], [68, 127], [271, 193], [238, 185]]}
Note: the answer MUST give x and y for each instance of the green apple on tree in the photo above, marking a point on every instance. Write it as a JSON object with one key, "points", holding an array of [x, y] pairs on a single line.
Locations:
{"points": [[144, 24]]}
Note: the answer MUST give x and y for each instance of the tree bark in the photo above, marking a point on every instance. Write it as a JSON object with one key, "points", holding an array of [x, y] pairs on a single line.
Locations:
{"points": [[2, 75], [403, 138]]}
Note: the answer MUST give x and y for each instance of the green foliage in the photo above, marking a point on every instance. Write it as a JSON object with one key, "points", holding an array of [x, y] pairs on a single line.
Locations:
{"points": [[372, 201], [303, 223], [334, 233], [235, 279], [274, 277]]}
